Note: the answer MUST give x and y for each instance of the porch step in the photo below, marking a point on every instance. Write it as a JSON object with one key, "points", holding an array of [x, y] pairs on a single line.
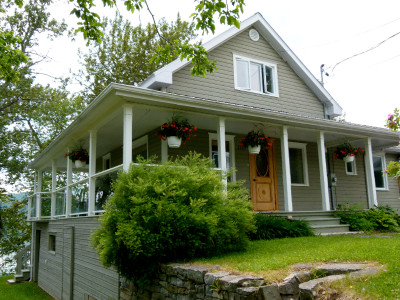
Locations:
{"points": [[24, 276], [321, 222]]}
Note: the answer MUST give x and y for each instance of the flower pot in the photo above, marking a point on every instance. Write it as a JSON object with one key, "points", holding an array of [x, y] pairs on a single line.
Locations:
{"points": [[254, 149], [80, 164], [174, 141], [348, 158]]}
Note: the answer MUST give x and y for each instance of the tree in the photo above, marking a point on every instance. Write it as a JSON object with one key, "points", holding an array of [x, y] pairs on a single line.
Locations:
{"points": [[227, 12], [125, 53]]}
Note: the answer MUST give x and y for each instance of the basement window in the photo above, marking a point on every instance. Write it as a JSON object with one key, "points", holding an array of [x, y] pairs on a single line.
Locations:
{"points": [[52, 243]]}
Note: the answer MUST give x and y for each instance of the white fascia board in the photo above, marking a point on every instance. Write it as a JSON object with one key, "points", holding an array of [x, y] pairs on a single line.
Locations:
{"points": [[333, 108], [163, 77]]}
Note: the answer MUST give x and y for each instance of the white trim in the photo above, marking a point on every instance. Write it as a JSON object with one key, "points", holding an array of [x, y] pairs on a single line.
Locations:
{"points": [[370, 176], [228, 138], [323, 172], [127, 135], [92, 171], [222, 148], [53, 188], [385, 178], [164, 151], [163, 76], [303, 148], [273, 66]]}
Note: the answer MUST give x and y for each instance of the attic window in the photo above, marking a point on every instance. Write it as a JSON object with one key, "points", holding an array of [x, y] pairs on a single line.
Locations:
{"points": [[256, 76]]}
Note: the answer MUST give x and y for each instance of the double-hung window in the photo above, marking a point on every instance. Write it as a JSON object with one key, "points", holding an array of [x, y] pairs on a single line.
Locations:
{"points": [[380, 176], [255, 76]]}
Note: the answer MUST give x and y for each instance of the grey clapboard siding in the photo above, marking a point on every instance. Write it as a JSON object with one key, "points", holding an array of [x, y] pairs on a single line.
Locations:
{"points": [[90, 277], [294, 95], [391, 196], [350, 189]]}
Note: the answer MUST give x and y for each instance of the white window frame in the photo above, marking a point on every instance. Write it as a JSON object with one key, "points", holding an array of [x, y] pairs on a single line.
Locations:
{"points": [[228, 138], [303, 148], [274, 68], [385, 179], [354, 167]]}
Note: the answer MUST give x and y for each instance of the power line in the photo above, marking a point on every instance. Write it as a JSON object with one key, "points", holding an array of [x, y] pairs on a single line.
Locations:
{"points": [[368, 50]]}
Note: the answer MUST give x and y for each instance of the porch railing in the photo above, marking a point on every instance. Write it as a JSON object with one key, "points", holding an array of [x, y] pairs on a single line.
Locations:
{"points": [[23, 258], [73, 200]]}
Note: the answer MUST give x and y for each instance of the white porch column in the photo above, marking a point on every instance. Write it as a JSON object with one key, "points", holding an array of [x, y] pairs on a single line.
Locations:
{"points": [[38, 195], [221, 147], [164, 151], [127, 140], [323, 173], [369, 168], [287, 182], [53, 188], [92, 171], [68, 198]]}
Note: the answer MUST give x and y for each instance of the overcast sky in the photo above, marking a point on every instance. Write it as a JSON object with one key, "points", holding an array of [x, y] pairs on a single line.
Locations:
{"points": [[367, 86]]}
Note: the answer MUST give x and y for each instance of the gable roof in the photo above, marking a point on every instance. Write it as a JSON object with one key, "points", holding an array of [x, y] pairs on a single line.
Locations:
{"points": [[163, 76]]}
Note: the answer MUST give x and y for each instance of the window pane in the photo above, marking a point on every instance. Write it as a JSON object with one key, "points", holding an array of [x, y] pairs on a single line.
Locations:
{"points": [[378, 172], [214, 154], [349, 167], [269, 86], [296, 165], [242, 73], [255, 77]]}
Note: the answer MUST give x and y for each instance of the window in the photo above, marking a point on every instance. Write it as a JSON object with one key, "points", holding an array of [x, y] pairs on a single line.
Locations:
{"points": [[229, 148], [52, 243], [298, 164], [107, 161], [351, 167], [256, 76], [380, 176]]}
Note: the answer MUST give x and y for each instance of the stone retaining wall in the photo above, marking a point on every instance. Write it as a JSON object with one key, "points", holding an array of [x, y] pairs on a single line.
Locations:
{"points": [[187, 282]]}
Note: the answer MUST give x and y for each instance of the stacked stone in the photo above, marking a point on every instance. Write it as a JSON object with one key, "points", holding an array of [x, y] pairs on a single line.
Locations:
{"points": [[193, 282]]}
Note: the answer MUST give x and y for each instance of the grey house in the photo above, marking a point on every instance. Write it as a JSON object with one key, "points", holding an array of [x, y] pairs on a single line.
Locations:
{"points": [[260, 83]]}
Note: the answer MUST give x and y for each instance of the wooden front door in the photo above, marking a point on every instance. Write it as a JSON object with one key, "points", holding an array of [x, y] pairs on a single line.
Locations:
{"points": [[263, 187]]}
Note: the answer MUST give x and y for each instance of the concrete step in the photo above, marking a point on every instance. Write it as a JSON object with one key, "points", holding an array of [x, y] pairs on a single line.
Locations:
{"points": [[11, 281], [321, 221], [330, 228], [24, 276]]}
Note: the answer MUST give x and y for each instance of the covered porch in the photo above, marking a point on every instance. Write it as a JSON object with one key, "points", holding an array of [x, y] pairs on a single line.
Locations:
{"points": [[120, 124]]}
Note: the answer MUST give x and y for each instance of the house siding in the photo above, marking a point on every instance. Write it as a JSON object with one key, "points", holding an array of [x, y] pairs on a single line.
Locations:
{"points": [[391, 196], [294, 96], [89, 276]]}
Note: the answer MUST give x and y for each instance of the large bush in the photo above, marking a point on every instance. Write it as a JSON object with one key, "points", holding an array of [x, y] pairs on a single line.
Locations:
{"points": [[379, 218], [171, 212], [273, 227]]}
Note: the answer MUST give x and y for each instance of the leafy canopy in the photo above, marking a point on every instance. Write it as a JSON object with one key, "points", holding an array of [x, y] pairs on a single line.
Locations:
{"points": [[170, 212]]}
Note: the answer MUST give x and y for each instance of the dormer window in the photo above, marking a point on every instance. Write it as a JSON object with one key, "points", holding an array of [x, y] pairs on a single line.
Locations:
{"points": [[256, 76]]}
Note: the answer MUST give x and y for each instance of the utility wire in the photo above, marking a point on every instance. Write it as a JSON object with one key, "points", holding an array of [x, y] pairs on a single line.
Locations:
{"points": [[368, 50]]}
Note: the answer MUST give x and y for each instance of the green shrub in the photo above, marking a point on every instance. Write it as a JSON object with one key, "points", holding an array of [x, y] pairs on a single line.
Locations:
{"points": [[171, 212], [378, 218], [273, 227]]}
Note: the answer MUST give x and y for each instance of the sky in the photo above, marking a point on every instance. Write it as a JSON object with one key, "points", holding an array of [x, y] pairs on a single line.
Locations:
{"points": [[367, 86]]}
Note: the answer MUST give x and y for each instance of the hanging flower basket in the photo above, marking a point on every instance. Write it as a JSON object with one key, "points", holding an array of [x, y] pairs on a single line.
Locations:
{"points": [[347, 152], [349, 158], [254, 149], [174, 141], [254, 141], [80, 157], [177, 132]]}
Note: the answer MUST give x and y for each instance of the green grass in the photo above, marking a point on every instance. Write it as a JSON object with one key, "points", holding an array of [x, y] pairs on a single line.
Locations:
{"points": [[21, 291], [272, 259]]}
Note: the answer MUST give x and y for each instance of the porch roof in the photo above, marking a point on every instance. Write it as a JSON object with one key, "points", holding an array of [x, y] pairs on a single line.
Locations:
{"points": [[116, 94]]}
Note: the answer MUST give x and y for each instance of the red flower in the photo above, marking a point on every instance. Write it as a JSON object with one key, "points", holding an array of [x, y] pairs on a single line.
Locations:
{"points": [[194, 128]]}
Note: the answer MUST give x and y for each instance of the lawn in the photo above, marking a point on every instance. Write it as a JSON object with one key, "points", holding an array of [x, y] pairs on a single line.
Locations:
{"points": [[272, 259], [21, 291]]}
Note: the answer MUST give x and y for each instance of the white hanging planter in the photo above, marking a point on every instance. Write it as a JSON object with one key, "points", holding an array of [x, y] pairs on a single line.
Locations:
{"points": [[174, 141], [80, 164], [348, 158], [254, 149]]}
